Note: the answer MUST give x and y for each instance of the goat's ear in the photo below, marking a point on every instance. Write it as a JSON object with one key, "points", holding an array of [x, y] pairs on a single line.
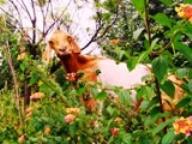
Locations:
{"points": [[46, 55], [76, 49]]}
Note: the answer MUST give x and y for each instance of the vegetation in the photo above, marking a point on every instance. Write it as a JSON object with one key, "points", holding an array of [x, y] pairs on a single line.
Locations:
{"points": [[38, 105]]}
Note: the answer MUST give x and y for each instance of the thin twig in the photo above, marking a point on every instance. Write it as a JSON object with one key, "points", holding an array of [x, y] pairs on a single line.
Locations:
{"points": [[10, 15], [16, 88], [18, 12], [95, 37]]}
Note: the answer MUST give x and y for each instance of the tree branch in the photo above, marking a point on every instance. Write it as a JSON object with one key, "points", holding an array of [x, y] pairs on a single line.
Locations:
{"points": [[33, 21], [95, 36]]}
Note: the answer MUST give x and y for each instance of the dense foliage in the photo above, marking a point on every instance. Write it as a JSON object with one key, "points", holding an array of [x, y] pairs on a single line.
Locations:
{"points": [[149, 32]]}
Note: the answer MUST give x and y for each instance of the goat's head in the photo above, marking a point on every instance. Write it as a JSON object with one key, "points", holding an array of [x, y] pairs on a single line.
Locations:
{"points": [[63, 44]]}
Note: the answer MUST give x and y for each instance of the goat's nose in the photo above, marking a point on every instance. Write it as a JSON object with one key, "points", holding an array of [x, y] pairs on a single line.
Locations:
{"points": [[62, 48]]}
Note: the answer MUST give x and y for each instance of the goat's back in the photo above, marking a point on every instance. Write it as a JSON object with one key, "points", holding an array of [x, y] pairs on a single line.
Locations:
{"points": [[114, 74]]}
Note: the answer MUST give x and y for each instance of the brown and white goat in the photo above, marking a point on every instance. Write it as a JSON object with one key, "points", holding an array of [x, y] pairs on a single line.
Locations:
{"points": [[111, 74]]}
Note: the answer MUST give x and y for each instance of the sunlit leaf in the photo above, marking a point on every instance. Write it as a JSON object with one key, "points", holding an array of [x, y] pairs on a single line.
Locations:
{"points": [[182, 72], [124, 96], [168, 138], [140, 6], [188, 1], [167, 2], [81, 90], [163, 19], [101, 95], [161, 126], [137, 33], [184, 49]]}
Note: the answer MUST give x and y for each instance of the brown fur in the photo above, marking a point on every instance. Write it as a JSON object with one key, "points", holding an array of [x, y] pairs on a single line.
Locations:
{"points": [[169, 104], [68, 51]]}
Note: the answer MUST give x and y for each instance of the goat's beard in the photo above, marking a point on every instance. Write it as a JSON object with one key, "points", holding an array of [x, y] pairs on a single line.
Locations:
{"points": [[64, 56]]}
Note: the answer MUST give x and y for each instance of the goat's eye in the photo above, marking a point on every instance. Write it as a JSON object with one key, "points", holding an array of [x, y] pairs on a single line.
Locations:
{"points": [[51, 42]]}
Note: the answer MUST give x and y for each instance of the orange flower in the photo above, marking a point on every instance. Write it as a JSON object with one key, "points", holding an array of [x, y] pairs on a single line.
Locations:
{"points": [[29, 109], [73, 111], [180, 125], [69, 118], [21, 56], [114, 41], [116, 98], [117, 119], [185, 11], [47, 130], [37, 95], [183, 125], [21, 139]]}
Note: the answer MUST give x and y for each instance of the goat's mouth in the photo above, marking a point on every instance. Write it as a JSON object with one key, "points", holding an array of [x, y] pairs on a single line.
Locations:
{"points": [[63, 52]]}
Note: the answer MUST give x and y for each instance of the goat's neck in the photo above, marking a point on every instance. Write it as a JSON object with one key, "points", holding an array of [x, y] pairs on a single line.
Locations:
{"points": [[73, 63]]}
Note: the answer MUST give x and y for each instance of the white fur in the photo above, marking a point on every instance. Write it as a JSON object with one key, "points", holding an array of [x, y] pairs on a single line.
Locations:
{"points": [[113, 74]]}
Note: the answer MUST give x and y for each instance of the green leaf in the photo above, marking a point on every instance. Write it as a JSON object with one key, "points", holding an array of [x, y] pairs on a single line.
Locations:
{"points": [[127, 138], [22, 66], [188, 1], [144, 105], [144, 92], [34, 78], [139, 6], [162, 19], [44, 87], [156, 110], [124, 96], [154, 44], [81, 90], [73, 129], [142, 56], [189, 85], [58, 139], [183, 102], [137, 33], [101, 95], [94, 91], [131, 63], [184, 49], [188, 30], [168, 138], [160, 67], [167, 2], [169, 88], [161, 126], [182, 72], [110, 110]]}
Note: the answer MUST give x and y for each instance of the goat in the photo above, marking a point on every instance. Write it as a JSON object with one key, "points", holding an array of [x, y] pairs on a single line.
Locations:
{"points": [[69, 53]]}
